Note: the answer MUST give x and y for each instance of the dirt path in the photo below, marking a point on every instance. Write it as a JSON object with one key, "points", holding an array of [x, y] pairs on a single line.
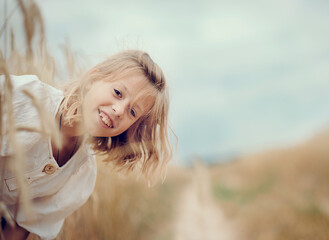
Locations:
{"points": [[198, 216]]}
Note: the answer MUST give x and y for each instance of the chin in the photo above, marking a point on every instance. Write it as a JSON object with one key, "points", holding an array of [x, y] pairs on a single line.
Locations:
{"points": [[94, 132], [99, 134]]}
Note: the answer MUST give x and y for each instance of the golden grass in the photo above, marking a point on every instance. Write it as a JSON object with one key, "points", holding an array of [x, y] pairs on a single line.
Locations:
{"points": [[120, 208], [35, 60], [15, 62], [280, 194]]}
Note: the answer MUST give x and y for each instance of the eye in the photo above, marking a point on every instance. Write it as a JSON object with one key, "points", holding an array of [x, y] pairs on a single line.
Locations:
{"points": [[132, 112], [118, 93]]}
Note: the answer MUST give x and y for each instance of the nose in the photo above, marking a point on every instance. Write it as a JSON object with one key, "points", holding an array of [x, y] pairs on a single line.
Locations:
{"points": [[118, 109]]}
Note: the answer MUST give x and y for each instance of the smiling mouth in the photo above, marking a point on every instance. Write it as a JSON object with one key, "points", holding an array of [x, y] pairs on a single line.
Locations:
{"points": [[105, 119]]}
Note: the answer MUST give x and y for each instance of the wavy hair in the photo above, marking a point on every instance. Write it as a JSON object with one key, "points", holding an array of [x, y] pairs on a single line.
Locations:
{"points": [[145, 145]]}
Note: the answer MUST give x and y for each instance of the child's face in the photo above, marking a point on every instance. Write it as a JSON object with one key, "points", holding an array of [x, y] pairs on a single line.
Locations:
{"points": [[107, 109]]}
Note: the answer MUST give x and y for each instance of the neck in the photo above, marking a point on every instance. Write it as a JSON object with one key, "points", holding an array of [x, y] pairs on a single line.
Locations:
{"points": [[71, 140], [69, 131]]}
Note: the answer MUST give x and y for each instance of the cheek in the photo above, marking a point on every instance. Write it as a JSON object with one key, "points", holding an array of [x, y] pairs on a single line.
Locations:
{"points": [[85, 103], [91, 100], [124, 126]]}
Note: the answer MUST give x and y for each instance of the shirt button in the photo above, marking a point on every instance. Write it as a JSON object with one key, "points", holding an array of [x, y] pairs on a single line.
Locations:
{"points": [[49, 169]]}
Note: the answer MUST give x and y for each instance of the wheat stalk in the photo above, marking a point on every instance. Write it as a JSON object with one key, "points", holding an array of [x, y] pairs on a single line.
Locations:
{"points": [[21, 64], [15, 162]]}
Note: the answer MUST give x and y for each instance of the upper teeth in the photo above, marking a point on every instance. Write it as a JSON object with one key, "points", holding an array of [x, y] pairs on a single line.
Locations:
{"points": [[105, 119]]}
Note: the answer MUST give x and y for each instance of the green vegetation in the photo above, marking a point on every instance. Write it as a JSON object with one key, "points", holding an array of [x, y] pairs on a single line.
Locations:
{"points": [[246, 194]]}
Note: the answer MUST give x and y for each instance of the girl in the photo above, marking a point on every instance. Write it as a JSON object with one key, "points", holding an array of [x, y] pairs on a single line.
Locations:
{"points": [[119, 109]]}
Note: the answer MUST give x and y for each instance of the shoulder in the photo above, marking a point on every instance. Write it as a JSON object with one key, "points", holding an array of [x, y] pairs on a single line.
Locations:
{"points": [[23, 82], [20, 80], [32, 84], [25, 112]]}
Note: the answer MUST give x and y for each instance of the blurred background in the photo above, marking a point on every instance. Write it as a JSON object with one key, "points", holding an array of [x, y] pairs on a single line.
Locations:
{"points": [[244, 76], [249, 104]]}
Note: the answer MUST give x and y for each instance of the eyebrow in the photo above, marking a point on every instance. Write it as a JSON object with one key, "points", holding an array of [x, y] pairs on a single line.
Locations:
{"points": [[124, 86]]}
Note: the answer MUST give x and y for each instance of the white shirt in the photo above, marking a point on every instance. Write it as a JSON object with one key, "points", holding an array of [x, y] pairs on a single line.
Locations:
{"points": [[55, 191]]}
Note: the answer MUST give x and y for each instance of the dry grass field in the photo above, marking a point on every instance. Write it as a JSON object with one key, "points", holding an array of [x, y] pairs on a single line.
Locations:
{"points": [[124, 208], [280, 194], [276, 195]]}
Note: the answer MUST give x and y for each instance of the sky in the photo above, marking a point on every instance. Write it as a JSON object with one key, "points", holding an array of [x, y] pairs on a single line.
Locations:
{"points": [[244, 76]]}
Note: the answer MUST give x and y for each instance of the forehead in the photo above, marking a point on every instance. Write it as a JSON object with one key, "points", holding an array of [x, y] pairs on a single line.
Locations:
{"points": [[133, 83]]}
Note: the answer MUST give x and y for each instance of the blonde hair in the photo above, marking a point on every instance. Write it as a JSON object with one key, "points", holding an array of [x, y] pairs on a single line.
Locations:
{"points": [[145, 144]]}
